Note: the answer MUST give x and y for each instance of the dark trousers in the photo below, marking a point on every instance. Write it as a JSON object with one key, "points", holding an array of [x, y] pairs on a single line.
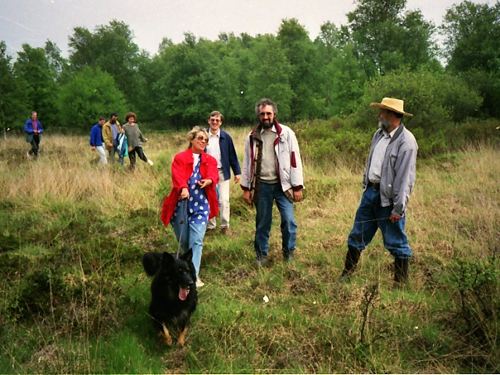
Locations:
{"points": [[35, 144], [131, 155]]}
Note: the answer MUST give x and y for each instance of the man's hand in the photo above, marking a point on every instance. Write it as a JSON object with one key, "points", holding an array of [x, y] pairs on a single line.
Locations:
{"points": [[184, 193], [394, 218], [247, 196], [297, 195], [92, 148], [204, 183], [237, 179]]}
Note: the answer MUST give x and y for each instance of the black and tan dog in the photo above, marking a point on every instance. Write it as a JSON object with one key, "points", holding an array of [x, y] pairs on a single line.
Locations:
{"points": [[173, 293]]}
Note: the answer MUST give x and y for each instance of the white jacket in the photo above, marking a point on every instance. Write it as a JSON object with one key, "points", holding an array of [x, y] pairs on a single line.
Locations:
{"points": [[288, 161]]}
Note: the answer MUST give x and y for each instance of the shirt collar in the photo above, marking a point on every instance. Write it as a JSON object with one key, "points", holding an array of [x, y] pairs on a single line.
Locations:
{"points": [[273, 129], [214, 135]]}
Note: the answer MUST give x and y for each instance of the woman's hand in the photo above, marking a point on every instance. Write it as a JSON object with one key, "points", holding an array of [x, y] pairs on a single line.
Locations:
{"points": [[184, 193], [204, 183]]}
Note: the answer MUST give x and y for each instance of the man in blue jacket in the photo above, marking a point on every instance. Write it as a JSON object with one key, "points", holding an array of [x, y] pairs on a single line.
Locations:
{"points": [[33, 129], [221, 147], [97, 141]]}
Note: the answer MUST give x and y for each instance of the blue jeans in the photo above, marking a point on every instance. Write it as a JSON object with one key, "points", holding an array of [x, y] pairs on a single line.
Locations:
{"points": [[369, 217], [266, 194], [189, 235]]}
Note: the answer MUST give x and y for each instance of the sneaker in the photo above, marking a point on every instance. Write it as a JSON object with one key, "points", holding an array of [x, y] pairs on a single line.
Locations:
{"points": [[199, 283], [150, 162]]}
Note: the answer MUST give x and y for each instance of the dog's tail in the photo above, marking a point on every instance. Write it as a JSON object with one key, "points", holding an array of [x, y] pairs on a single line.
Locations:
{"points": [[151, 262]]}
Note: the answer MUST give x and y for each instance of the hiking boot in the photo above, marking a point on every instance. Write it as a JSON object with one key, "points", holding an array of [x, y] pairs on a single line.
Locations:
{"points": [[351, 260], [400, 271], [225, 231]]}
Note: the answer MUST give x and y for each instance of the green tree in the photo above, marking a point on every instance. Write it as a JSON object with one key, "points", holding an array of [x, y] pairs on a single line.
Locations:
{"points": [[304, 74], [33, 70], [342, 76], [87, 94], [111, 48], [473, 48], [269, 76], [14, 106], [386, 39]]}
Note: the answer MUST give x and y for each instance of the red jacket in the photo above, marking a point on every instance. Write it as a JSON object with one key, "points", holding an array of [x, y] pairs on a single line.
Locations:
{"points": [[182, 169]]}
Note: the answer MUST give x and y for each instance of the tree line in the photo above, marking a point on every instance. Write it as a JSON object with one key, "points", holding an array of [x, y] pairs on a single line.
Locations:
{"points": [[383, 50]]}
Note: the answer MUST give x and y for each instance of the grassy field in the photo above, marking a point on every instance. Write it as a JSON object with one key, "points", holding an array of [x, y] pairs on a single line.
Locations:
{"points": [[74, 297]]}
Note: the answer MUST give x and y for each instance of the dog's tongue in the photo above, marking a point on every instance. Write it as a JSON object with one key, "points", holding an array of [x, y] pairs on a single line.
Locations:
{"points": [[183, 293]]}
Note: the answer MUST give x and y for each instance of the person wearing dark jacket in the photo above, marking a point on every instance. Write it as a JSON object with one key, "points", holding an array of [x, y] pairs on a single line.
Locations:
{"points": [[97, 141], [221, 147], [33, 129], [388, 181]]}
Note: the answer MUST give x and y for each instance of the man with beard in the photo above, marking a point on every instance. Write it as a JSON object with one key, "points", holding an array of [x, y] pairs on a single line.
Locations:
{"points": [[110, 131], [272, 171], [388, 181]]}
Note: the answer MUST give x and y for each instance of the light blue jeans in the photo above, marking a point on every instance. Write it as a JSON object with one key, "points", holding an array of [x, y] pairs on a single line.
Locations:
{"points": [[266, 195], [189, 235]]}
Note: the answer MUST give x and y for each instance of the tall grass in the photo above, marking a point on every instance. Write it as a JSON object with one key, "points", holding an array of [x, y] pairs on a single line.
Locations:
{"points": [[75, 297]]}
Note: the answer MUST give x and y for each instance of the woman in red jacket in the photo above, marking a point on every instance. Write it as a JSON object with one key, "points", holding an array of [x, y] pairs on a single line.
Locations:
{"points": [[193, 199]]}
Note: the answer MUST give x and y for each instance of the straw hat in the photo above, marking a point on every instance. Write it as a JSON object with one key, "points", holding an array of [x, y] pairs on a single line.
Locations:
{"points": [[392, 104]]}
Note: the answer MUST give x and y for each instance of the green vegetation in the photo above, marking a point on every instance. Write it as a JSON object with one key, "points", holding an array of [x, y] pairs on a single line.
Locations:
{"points": [[384, 49], [74, 297]]}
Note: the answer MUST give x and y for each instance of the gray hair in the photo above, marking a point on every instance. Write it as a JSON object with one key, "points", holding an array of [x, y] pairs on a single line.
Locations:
{"points": [[265, 101]]}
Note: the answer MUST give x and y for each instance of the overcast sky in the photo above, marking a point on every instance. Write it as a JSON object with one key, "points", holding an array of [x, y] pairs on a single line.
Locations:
{"points": [[35, 21]]}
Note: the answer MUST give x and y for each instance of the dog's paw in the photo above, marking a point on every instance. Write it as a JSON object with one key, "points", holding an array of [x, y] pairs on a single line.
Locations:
{"points": [[165, 335]]}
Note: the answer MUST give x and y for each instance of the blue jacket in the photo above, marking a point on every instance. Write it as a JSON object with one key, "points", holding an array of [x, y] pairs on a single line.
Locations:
{"points": [[96, 135], [28, 126], [229, 159]]}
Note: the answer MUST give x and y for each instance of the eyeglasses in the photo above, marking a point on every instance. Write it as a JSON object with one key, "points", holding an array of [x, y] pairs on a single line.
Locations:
{"points": [[265, 113], [214, 120], [201, 138]]}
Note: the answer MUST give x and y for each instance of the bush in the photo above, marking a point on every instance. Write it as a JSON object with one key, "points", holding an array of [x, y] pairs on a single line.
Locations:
{"points": [[435, 98]]}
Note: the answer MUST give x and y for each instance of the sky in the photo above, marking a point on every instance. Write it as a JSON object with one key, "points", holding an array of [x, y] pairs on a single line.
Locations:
{"points": [[35, 21]]}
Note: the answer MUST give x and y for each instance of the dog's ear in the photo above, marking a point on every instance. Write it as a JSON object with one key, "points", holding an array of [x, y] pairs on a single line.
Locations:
{"points": [[151, 263], [187, 256], [167, 259]]}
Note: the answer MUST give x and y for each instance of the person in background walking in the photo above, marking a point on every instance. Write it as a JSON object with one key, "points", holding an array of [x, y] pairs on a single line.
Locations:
{"points": [[33, 129], [110, 131], [97, 142], [135, 139], [388, 181], [221, 147], [193, 199]]}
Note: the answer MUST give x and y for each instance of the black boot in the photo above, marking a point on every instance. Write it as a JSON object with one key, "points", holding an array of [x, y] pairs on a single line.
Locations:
{"points": [[351, 260], [400, 271]]}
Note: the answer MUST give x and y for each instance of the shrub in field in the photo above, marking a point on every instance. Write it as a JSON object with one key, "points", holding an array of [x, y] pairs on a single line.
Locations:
{"points": [[88, 94], [435, 98]]}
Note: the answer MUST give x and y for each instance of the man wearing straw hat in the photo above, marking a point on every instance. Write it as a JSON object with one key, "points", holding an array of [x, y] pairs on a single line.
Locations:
{"points": [[388, 181]]}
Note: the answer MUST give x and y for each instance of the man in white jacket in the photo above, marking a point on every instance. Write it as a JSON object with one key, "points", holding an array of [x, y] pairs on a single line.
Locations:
{"points": [[272, 171]]}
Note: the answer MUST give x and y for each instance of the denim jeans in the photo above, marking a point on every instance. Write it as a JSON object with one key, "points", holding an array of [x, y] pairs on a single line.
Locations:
{"points": [[369, 217], [266, 194], [189, 235]]}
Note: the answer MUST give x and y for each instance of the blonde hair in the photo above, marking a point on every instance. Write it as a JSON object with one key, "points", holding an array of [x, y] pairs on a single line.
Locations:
{"points": [[191, 135]]}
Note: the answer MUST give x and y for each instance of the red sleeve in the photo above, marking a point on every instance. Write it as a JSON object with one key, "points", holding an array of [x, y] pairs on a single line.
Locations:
{"points": [[179, 179]]}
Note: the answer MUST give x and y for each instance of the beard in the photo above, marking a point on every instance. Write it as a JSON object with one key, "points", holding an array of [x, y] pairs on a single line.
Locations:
{"points": [[383, 124], [266, 124]]}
